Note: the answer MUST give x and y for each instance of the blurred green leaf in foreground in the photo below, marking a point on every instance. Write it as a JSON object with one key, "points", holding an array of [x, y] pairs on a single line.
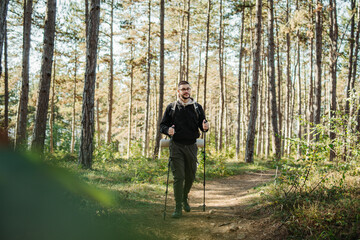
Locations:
{"points": [[42, 202]]}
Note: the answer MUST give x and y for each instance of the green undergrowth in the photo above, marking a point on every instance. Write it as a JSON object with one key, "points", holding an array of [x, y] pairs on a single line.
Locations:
{"points": [[43, 201], [144, 179], [317, 199], [138, 184]]}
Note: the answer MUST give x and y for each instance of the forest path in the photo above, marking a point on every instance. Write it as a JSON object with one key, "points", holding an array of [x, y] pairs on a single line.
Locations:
{"points": [[229, 213]]}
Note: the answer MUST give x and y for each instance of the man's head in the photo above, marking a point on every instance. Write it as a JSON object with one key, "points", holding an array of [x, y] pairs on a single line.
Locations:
{"points": [[184, 90]]}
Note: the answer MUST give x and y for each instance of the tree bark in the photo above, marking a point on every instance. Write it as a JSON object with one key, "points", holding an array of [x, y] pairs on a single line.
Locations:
{"points": [[354, 74], [20, 141], [351, 56], [149, 58], [161, 81], [207, 50], [279, 78], [86, 17], [267, 116], [181, 50], [3, 12], [87, 121], [318, 69], [288, 83], [52, 107], [249, 154], [130, 101], [45, 81], [111, 80], [272, 85], [73, 121], [239, 85], [199, 74], [333, 70], [259, 131], [6, 83], [299, 133], [188, 41], [310, 109], [221, 73], [355, 71]]}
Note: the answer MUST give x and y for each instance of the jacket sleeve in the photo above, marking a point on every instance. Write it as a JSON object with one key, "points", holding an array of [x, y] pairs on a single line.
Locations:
{"points": [[201, 118], [166, 121]]}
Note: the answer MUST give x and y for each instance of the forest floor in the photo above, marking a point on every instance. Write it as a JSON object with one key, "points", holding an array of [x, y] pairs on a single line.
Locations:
{"points": [[231, 212]]}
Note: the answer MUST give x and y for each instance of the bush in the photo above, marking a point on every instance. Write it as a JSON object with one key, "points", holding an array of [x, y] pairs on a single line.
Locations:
{"points": [[315, 198]]}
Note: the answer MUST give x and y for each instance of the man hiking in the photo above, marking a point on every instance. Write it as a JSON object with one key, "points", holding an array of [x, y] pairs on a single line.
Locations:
{"points": [[182, 121]]}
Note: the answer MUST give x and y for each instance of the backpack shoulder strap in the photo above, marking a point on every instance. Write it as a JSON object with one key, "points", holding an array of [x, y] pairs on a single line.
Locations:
{"points": [[173, 108], [197, 111]]}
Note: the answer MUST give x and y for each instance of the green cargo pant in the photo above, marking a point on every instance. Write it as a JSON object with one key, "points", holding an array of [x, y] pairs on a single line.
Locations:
{"points": [[183, 166]]}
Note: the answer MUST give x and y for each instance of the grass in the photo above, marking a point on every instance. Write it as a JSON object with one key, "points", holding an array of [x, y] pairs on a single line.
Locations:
{"points": [[144, 179], [314, 199], [138, 184], [317, 200]]}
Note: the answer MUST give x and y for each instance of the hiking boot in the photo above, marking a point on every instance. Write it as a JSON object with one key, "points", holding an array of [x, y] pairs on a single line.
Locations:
{"points": [[178, 211], [186, 206]]}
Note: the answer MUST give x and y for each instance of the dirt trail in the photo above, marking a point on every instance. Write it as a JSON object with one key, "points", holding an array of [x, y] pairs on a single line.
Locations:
{"points": [[228, 214]]}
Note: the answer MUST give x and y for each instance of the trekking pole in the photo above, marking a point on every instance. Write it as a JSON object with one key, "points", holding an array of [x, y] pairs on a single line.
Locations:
{"points": [[204, 169], [167, 184]]}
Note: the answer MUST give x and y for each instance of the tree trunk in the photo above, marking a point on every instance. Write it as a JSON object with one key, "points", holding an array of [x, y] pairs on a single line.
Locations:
{"points": [[216, 132], [73, 121], [254, 95], [188, 42], [311, 87], [87, 121], [130, 100], [221, 73], [45, 81], [356, 51], [207, 50], [111, 80], [239, 85], [6, 83], [149, 58], [199, 75], [299, 133], [181, 50], [247, 100], [272, 86], [52, 112], [259, 138], [267, 117], [288, 82], [244, 113], [86, 17], [3, 12], [291, 120], [20, 141], [280, 112], [98, 130], [351, 56], [318, 45], [333, 69], [161, 81]]}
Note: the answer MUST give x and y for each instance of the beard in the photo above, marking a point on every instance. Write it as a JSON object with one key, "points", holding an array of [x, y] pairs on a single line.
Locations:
{"points": [[185, 96]]}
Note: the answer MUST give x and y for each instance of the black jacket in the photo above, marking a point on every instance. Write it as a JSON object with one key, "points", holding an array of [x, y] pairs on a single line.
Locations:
{"points": [[187, 122]]}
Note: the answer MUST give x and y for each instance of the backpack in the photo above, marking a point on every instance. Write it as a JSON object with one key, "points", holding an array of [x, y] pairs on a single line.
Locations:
{"points": [[196, 107]]}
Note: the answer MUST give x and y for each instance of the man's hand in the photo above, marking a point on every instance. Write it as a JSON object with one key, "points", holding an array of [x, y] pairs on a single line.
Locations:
{"points": [[171, 130], [206, 125]]}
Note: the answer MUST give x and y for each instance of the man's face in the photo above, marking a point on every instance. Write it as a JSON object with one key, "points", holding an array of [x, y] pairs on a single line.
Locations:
{"points": [[184, 91]]}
